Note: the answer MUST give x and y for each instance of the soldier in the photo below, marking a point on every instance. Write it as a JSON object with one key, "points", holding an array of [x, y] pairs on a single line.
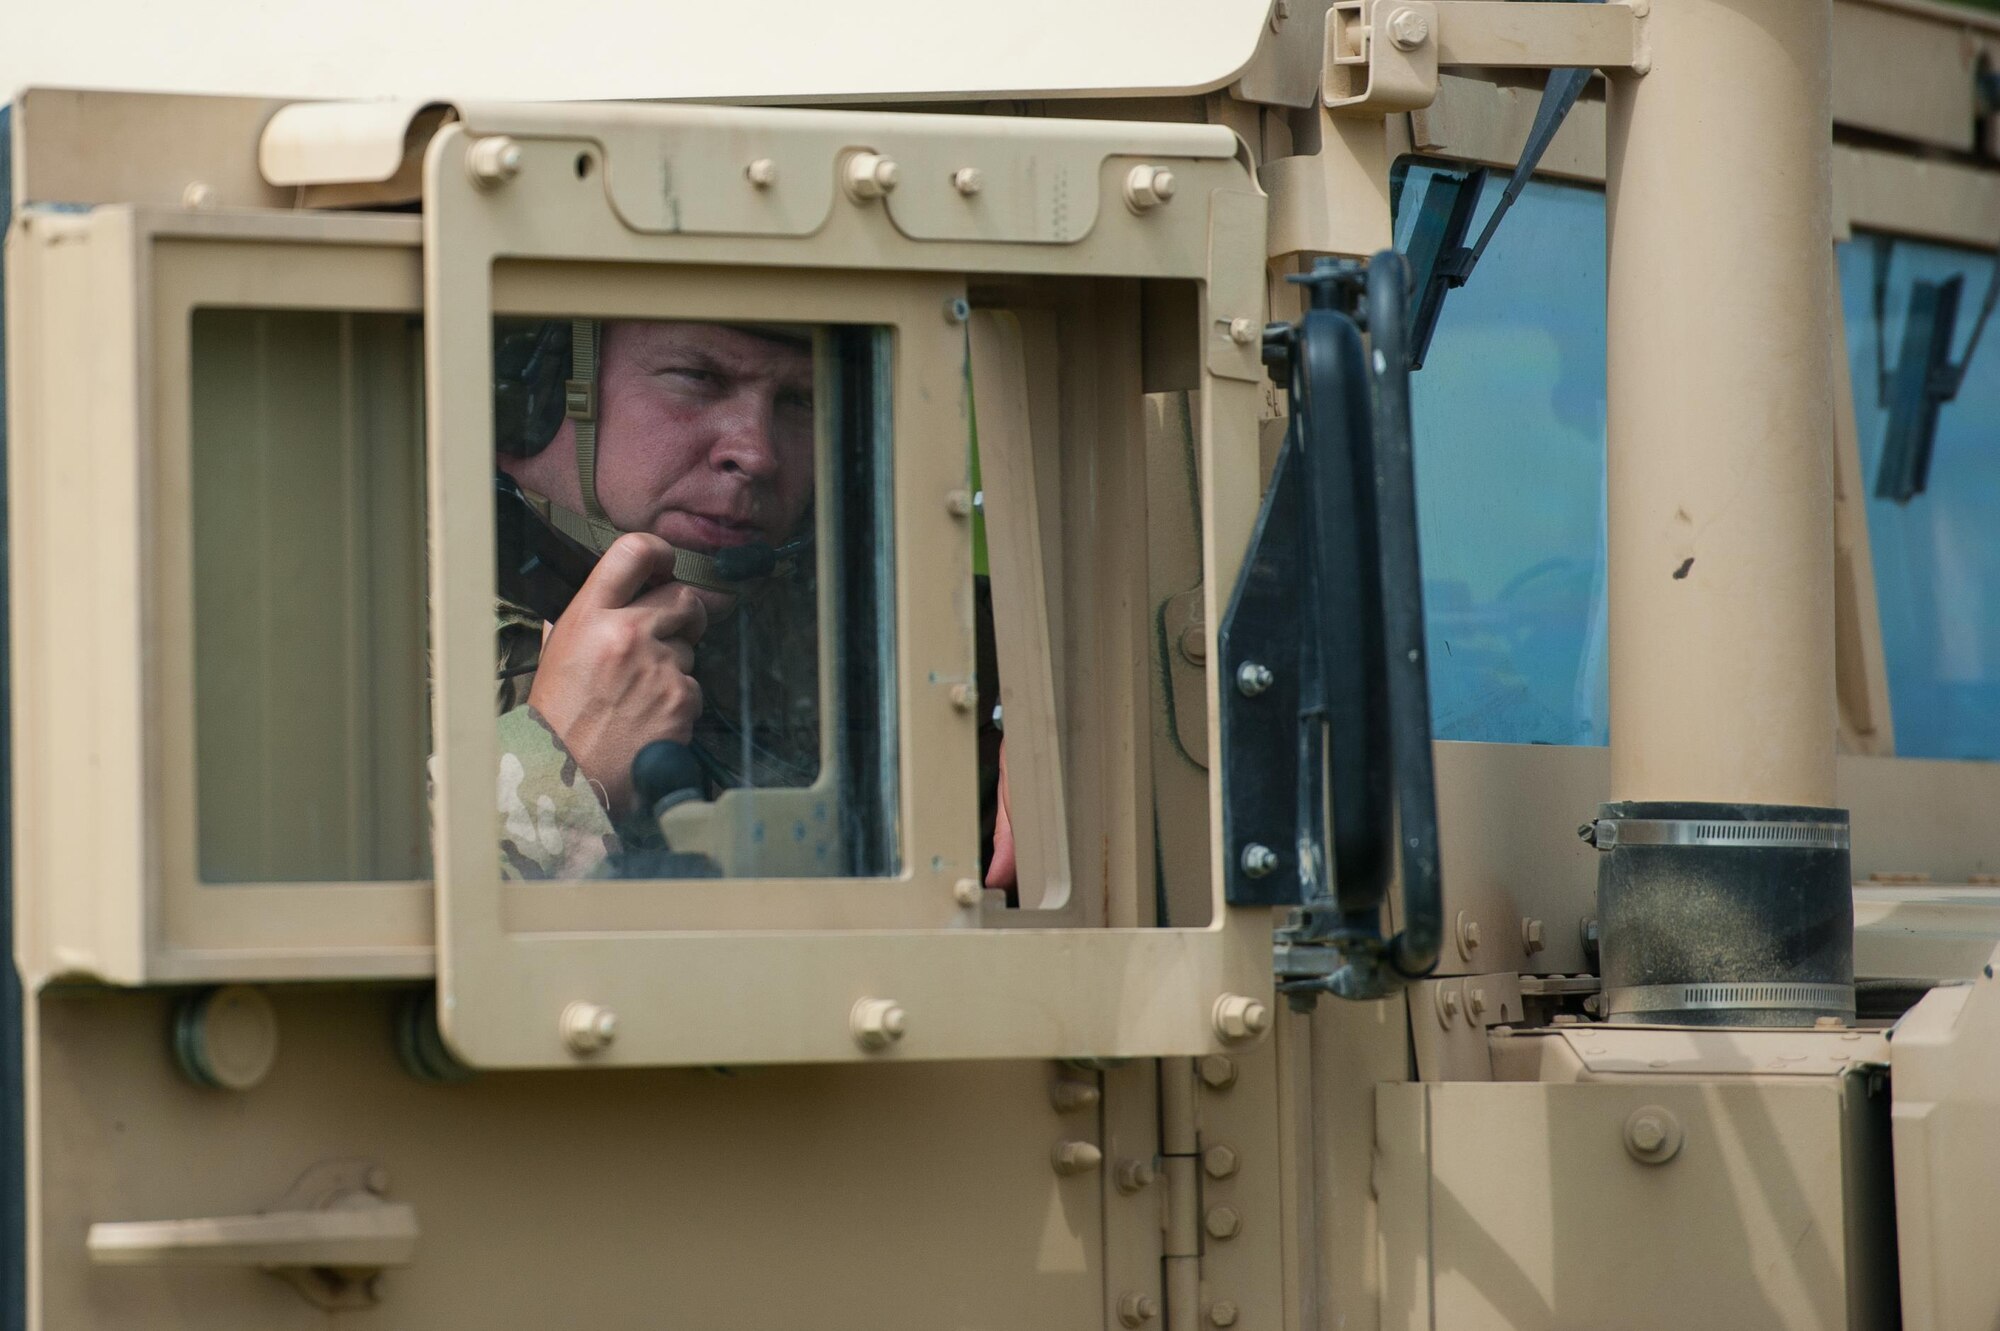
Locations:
{"points": [[658, 444]]}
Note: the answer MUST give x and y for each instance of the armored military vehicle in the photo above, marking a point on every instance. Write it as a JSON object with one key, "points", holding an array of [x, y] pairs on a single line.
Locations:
{"points": [[1263, 665]]}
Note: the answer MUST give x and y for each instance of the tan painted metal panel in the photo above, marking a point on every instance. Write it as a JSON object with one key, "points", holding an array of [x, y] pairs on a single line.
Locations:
{"points": [[821, 1197], [1945, 1085], [1539, 1218]]}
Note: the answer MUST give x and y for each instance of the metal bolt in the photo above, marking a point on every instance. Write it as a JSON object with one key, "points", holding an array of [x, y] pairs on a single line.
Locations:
{"points": [[1218, 1071], [763, 173], [1588, 928], [968, 180], [1531, 936], [1137, 1309], [493, 160], [1240, 1019], [1076, 1158], [870, 175], [1219, 1161], [1468, 936], [1408, 29], [966, 892], [1258, 860], [963, 696], [1252, 678], [877, 1023], [1447, 1005], [958, 503], [197, 195], [1222, 1222], [1070, 1096], [1242, 331], [1222, 1313], [1652, 1135], [1134, 1175], [587, 1028], [957, 310], [1148, 187], [1194, 644], [1476, 1000]]}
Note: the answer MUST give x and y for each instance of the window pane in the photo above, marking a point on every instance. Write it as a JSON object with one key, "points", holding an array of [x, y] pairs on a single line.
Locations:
{"points": [[1509, 411], [1936, 556], [752, 633], [311, 717]]}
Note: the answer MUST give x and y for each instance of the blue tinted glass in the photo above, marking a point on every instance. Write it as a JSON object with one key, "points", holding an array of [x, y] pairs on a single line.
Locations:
{"points": [[1937, 557], [1509, 414]]}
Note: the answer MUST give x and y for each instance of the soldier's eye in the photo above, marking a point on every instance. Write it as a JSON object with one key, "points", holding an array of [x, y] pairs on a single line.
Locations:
{"points": [[694, 376]]}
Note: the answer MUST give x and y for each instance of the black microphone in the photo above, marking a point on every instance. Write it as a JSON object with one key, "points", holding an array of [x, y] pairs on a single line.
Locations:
{"points": [[666, 773]]}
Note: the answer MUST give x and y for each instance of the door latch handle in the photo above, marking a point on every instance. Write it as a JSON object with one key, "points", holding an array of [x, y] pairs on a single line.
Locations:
{"points": [[365, 1235], [329, 1236]]}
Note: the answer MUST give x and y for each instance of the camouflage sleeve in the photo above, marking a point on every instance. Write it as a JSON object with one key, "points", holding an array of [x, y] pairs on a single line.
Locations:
{"points": [[553, 819]]}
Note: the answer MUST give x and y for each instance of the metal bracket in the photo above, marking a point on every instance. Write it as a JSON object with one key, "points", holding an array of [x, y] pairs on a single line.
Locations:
{"points": [[1383, 56]]}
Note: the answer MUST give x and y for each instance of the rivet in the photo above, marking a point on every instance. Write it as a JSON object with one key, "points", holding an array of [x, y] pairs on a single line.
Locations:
{"points": [[1652, 1135], [1134, 1175], [870, 176], [377, 1181], [1253, 677], [877, 1023], [968, 180], [1218, 1071], [1240, 1019], [1075, 1158], [1222, 1313], [1242, 331], [1532, 940], [1194, 644], [958, 503], [763, 173], [1136, 1309], [197, 195], [1258, 860], [493, 160], [963, 696], [1147, 187], [587, 1028], [966, 892], [1408, 29], [1070, 1096], [1219, 1161], [1222, 1222]]}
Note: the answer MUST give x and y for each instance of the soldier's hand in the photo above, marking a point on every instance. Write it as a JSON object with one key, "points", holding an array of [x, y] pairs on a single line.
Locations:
{"points": [[617, 669]]}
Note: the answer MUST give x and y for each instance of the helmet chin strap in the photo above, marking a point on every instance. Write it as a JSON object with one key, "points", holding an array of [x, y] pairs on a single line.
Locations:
{"points": [[593, 527]]}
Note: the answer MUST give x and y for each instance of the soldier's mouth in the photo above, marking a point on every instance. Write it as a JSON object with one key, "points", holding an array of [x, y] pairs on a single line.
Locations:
{"points": [[709, 533]]}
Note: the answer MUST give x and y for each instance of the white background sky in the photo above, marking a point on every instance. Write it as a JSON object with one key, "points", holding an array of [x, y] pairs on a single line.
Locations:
{"points": [[562, 49]]}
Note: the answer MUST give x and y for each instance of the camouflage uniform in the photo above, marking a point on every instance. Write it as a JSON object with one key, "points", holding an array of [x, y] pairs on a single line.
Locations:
{"points": [[760, 662], [554, 821]]}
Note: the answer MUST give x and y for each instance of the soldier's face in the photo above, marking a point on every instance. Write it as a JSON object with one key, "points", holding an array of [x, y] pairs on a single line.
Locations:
{"points": [[705, 433]]}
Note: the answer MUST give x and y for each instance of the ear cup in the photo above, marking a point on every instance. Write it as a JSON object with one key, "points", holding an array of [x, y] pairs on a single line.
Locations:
{"points": [[531, 364]]}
